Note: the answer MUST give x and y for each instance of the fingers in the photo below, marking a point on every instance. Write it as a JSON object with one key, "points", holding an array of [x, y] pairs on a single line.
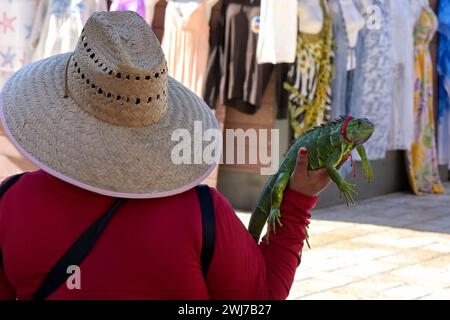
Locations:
{"points": [[320, 175], [301, 167], [307, 182]]}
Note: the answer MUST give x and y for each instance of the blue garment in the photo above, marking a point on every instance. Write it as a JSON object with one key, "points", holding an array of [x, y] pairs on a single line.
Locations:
{"points": [[443, 68], [443, 65], [340, 84], [59, 7]]}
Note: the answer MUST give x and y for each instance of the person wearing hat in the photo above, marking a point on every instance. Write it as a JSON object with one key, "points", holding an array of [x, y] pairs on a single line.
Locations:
{"points": [[109, 215]]}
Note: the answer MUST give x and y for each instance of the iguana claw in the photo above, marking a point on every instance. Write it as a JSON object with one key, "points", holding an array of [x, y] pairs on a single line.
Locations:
{"points": [[307, 237], [347, 190], [275, 218], [369, 172]]}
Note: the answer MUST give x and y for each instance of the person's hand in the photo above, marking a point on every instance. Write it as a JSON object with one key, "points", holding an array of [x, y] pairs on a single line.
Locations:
{"points": [[310, 183]]}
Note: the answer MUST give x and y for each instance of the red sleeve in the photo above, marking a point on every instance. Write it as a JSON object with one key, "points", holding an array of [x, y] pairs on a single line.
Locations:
{"points": [[242, 269]]}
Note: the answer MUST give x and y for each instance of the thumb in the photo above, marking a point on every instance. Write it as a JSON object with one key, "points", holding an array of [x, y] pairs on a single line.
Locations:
{"points": [[301, 166]]}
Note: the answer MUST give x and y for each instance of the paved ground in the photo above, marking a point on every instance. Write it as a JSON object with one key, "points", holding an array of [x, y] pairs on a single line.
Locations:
{"points": [[391, 247]]}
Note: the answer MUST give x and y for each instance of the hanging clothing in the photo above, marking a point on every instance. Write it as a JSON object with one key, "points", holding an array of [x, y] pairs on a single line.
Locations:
{"points": [[16, 19], [341, 52], [371, 92], [421, 157], [233, 76], [186, 42], [402, 23], [281, 95], [277, 39], [354, 23], [443, 68], [309, 78], [137, 6], [150, 10], [58, 25]]}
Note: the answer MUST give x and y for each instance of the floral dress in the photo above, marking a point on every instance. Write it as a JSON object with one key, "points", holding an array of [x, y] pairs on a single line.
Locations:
{"points": [[309, 78], [422, 156]]}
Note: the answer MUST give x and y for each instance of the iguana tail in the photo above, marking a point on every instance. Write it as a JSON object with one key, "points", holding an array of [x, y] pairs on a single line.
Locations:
{"points": [[257, 222]]}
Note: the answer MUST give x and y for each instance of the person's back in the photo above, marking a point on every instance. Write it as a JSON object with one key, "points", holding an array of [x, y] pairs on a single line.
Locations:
{"points": [[100, 122], [150, 249]]}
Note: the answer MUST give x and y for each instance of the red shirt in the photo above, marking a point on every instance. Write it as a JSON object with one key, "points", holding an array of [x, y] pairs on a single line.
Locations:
{"points": [[149, 250]]}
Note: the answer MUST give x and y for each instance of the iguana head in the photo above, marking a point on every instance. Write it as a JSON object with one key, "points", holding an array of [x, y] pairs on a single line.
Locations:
{"points": [[357, 131]]}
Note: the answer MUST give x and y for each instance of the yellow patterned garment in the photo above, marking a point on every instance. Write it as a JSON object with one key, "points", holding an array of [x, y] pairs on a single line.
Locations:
{"points": [[422, 156], [309, 78]]}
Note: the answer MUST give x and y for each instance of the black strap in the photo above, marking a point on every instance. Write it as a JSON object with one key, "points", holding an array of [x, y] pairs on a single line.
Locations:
{"points": [[76, 254], [208, 226]]}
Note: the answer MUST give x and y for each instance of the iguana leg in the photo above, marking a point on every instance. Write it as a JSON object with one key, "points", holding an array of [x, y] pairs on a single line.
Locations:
{"points": [[277, 198], [345, 188], [365, 162]]}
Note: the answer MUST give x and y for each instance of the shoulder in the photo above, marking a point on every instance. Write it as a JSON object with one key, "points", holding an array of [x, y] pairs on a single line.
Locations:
{"points": [[23, 191], [222, 207], [35, 178], [221, 203], [40, 186], [226, 216], [13, 194]]}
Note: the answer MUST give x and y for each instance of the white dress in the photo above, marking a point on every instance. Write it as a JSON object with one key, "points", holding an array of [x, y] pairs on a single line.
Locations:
{"points": [[58, 25], [186, 41], [403, 15], [354, 23], [16, 19], [277, 40], [150, 10]]}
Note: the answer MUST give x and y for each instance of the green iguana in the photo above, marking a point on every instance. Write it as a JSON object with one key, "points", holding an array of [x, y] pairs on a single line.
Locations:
{"points": [[328, 146]]}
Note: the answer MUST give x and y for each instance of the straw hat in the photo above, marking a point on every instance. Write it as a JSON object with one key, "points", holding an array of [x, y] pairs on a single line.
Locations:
{"points": [[102, 117]]}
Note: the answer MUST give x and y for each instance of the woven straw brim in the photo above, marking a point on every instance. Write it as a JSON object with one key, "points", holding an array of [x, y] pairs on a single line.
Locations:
{"points": [[62, 139]]}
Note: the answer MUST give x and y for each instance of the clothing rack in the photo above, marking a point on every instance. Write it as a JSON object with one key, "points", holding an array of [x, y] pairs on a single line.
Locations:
{"points": [[234, 176]]}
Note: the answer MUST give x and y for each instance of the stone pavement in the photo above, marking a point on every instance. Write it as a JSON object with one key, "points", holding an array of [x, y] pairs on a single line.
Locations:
{"points": [[391, 247]]}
